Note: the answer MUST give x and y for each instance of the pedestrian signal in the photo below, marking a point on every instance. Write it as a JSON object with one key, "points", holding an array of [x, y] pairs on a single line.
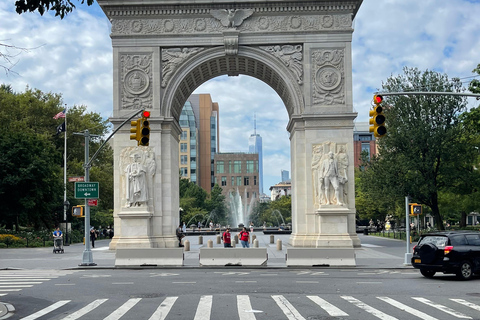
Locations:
{"points": [[377, 118], [77, 211], [415, 208]]}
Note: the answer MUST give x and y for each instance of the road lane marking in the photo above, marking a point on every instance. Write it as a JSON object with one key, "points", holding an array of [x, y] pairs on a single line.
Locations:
{"points": [[49, 309], [22, 286], [244, 307], [89, 307], [306, 281], [468, 304], [122, 282], [377, 313], [184, 282], [204, 308], [287, 308], [369, 282], [123, 309], [442, 308], [9, 290], [248, 281], [13, 283], [65, 284], [163, 310], [328, 307], [406, 308]]}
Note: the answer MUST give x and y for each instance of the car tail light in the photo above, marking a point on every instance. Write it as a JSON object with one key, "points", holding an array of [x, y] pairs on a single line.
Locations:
{"points": [[414, 248], [447, 249]]}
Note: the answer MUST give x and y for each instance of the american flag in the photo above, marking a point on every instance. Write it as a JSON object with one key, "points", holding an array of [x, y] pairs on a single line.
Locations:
{"points": [[61, 114]]}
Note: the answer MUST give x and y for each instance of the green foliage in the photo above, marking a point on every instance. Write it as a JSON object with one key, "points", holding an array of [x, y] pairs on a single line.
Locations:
{"points": [[31, 173], [60, 7], [273, 213], [428, 148]]}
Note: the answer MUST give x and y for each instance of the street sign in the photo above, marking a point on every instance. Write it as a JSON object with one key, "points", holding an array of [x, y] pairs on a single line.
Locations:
{"points": [[86, 190], [76, 179], [92, 202]]}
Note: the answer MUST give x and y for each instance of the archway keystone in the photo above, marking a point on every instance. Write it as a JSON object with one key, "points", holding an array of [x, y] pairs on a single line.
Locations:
{"points": [[164, 50]]}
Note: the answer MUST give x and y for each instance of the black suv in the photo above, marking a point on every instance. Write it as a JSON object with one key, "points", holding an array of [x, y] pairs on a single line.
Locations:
{"points": [[455, 252]]}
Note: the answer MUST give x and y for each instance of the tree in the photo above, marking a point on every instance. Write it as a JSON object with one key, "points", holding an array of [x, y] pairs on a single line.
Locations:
{"points": [[60, 7], [419, 156]]}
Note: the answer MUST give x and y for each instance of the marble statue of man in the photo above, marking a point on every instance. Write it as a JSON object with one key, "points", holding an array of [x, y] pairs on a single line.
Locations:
{"points": [[330, 175], [136, 182]]}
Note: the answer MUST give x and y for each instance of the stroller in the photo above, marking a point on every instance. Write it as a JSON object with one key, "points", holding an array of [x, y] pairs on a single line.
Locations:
{"points": [[58, 244]]}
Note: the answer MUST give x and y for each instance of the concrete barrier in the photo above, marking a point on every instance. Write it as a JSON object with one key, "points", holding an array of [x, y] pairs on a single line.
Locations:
{"points": [[233, 257], [329, 257], [148, 257]]}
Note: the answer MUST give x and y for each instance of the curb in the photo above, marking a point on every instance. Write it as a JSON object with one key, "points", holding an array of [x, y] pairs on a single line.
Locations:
{"points": [[6, 310]]}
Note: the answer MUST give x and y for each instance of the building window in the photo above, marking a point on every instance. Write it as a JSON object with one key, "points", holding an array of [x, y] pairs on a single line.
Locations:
{"points": [[230, 166], [248, 195], [364, 137], [237, 166], [366, 147], [184, 172], [184, 135], [256, 165], [246, 180], [233, 181], [254, 180], [239, 181], [183, 159], [183, 147], [224, 181], [250, 166], [220, 167]]}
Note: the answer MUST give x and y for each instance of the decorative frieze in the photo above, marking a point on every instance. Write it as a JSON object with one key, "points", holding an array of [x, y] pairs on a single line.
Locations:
{"points": [[291, 56], [136, 80], [328, 76], [255, 24]]}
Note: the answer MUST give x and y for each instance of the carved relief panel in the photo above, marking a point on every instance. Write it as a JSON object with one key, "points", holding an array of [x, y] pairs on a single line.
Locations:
{"points": [[329, 174], [136, 81], [328, 76]]}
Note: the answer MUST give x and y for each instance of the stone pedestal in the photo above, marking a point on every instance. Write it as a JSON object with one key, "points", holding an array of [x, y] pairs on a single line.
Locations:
{"points": [[136, 228]]}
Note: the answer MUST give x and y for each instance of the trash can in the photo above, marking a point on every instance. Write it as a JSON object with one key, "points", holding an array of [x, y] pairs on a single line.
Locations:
{"points": [[365, 231]]}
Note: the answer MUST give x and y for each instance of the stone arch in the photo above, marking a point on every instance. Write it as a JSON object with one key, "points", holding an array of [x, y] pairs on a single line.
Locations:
{"points": [[213, 62]]}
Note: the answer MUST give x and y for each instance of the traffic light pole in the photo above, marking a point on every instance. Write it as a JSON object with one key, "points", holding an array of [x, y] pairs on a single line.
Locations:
{"points": [[429, 93], [408, 255]]}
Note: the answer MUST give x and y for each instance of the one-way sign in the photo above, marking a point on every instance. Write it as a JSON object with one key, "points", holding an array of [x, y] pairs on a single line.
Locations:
{"points": [[86, 190]]}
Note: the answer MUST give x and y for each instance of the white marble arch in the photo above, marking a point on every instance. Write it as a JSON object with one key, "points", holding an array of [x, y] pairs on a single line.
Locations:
{"points": [[164, 50]]}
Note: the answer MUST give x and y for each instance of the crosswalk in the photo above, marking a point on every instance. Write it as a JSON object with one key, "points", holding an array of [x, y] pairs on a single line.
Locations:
{"points": [[16, 280], [289, 307]]}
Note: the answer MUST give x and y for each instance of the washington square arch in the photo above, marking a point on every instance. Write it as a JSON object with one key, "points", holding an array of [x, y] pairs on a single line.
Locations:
{"points": [[164, 50]]}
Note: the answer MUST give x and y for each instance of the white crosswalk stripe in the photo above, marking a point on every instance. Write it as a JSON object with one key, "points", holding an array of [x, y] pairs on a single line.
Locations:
{"points": [[16, 280], [287, 306]]}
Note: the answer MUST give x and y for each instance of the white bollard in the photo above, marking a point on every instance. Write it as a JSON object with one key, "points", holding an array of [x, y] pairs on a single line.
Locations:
{"points": [[234, 244], [200, 239], [272, 238], [186, 245], [219, 239], [279, 245], [210, 243], [254, 237], [236, 238], [255, 243]]}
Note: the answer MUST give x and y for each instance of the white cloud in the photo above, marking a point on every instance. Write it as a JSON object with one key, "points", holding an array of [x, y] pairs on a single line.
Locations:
{"points": [[74, 57]]}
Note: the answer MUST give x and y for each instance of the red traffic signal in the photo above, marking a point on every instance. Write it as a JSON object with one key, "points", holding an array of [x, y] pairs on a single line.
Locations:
{"points": [[146, 114], [377, 99]]}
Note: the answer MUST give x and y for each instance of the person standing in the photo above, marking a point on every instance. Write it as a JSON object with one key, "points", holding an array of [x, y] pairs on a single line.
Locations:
{"points": [[244, 236], [93, 236], [227, 239], [180, 235]]}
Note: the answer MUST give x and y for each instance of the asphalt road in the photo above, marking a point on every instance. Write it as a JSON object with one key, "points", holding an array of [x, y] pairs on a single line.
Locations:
{"points": [[380, 287]]}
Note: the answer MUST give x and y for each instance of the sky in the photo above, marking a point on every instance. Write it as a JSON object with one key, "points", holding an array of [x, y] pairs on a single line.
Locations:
{"points": [[73, 57]]}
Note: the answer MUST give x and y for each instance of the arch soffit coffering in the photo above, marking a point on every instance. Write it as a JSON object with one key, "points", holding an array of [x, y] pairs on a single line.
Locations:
{"points": [[213, 62]]}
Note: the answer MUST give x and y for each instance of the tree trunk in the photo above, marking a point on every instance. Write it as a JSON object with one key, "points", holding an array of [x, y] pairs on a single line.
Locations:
{"points": [[463, 219], [437, 217]]}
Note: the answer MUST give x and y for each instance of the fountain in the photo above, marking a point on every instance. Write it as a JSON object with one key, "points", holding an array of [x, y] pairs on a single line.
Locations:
{"points": [[279, 214], [236, 208]]}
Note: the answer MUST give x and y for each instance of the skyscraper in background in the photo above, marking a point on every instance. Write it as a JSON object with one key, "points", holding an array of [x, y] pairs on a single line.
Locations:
{"points": [[255, 146], [198, 148], [285, 176]]}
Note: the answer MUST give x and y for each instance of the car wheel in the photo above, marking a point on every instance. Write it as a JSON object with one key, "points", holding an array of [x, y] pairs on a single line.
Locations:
{"points": [[427, 273], [465, 272]]}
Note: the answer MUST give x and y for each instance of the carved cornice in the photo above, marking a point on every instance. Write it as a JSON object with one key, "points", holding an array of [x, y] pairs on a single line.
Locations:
{"points": [[125, 9], [209, 25]]}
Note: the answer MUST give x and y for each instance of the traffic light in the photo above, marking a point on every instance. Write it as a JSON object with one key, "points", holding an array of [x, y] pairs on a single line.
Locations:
{"points": [[145, 129], [415, 208], [135, 130], [377, 119], [77, 211]]}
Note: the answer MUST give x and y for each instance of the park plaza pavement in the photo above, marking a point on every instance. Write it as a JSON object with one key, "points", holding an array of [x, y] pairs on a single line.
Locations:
{"points": [[375, 253]]}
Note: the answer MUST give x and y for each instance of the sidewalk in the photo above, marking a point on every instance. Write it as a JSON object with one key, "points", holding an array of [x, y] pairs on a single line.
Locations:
{"points": [[378, 253]]}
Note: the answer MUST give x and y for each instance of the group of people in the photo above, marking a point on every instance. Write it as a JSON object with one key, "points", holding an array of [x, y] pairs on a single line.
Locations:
{"points": [[243, 235], [94, 234]]}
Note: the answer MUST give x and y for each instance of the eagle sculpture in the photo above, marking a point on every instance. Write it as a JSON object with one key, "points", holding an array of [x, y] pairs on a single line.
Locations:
{"points": [[231, 18]]}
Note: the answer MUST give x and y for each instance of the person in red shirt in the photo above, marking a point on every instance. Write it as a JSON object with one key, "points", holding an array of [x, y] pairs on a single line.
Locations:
{"points": [[227, 239], [244, 236]]}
